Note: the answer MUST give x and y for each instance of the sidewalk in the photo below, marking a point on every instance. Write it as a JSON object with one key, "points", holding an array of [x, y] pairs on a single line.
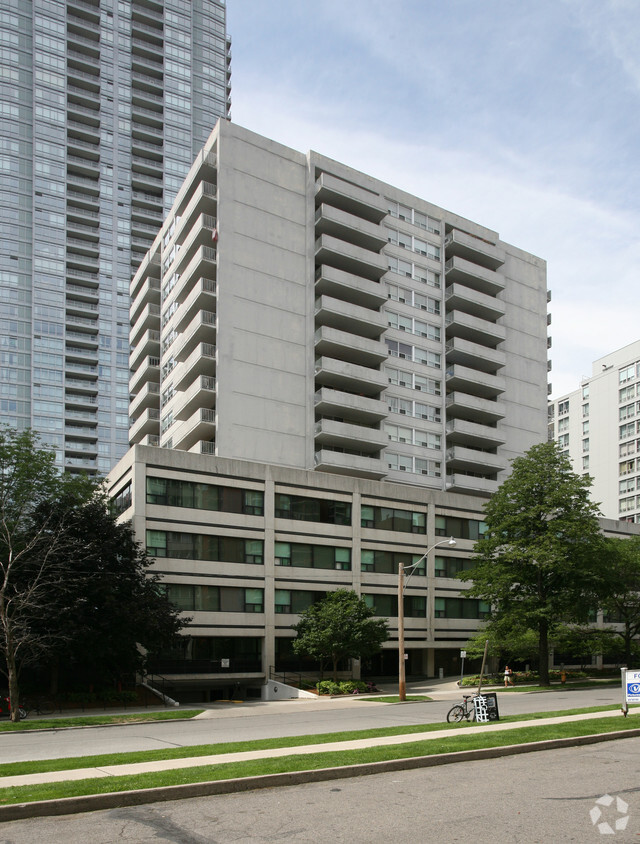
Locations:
{"points": [[222, 758]]}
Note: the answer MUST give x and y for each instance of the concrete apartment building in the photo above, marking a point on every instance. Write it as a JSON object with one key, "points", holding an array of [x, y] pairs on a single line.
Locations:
{"points": [[337, 374], [597, 426], [104, 105]]}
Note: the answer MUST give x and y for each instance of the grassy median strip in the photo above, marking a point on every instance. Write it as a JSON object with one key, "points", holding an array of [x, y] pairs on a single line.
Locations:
{"points": [[98, 720], [13, 769], [330, 759]]}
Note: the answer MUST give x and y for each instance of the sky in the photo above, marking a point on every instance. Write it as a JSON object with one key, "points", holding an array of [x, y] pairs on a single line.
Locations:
{"points": [[522, 115]]}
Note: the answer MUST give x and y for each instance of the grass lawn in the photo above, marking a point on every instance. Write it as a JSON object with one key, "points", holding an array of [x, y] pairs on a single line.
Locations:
{"points": [[333, 758], [97, 720]]}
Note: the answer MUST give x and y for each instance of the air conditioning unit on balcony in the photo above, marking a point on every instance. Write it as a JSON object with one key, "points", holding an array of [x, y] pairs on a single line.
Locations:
{"points": [[402, 384], [402, 411]]}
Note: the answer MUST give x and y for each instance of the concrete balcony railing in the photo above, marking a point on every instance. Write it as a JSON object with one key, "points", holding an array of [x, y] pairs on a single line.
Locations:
{"points": [[331, 342], [350, 198], [148, 319], [473, 275], [348, 317], [350, 436], [147, 423], [462, 298], [149, 370], [349, 258], [464, 459], [201, 361], [348, 287], [473, 434], [462, 245], [470, 485], [148, 293], [474, 408], [474, 329], [149, 396], [349, 227], [149, 344], [466, 380], [201, 425], [355, 408], [339, 463], [350, 377], [202, 393], [474, 355]]}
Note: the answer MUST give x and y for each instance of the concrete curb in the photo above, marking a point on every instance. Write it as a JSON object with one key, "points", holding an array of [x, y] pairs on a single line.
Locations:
{"points": [[119, 799]]}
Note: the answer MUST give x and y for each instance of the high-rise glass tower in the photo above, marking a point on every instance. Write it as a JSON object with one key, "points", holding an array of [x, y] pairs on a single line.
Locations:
{"points": [[103, 106]]}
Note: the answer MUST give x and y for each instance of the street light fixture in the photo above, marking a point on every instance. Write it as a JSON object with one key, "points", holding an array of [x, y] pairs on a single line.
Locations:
{"points": [[402, 583]]}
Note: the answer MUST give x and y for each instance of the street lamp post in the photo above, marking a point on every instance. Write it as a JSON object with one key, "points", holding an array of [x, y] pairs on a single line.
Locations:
{"points": [[402, 686]]}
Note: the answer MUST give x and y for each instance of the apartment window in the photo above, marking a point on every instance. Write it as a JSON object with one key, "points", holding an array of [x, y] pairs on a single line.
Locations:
{"points": [[627, 467], [388, 562], [452, 566], [585, 391], [170, 492], [195, 546], [585, 463], [563, 407], [459, 528], [627, 412], [312, 556], [563, 440], [627, 374], [585, 427], [388, 518], [626, 393], [295, 600], [627, 485], [585, 444], [563, 424], [627, 430], [461, 608], [189, 597], [307, 509]]}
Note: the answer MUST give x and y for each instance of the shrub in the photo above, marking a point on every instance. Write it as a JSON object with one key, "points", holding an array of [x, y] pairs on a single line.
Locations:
{"points": [[328, 687]]}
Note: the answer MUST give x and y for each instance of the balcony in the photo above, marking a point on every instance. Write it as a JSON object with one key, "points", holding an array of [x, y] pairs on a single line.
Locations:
{"points": [[199, 236], [350, 198], [355, 465], [149, 319], [147, 423], [201, 425], [355, 408], [350, 288], [201, 393], [457, 270], [462, 298], [81, 341], [338, 374], [149, 396], [201, 329], [473, 434], [345, 226], [353, 319], [473, 381], [203, 264], [201, 361], [474, 329], [474, 355], [349, 258], [471, 460], [474, 408], [148, 293], [201, 297], [350, 436], [462, 245], [332, 343], [149, 344], [470, 485], [149, 370]]}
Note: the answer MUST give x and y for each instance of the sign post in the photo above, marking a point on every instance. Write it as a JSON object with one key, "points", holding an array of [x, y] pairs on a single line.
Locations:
{"points": [[630, 688], [462, 656]]}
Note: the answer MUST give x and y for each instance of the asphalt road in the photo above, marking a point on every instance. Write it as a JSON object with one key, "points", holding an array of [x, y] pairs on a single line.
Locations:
{"points": [[252, 721], [538, 797]]}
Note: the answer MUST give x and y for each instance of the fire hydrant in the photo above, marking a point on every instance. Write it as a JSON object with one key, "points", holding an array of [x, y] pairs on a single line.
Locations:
{"points": [[563, 676]]}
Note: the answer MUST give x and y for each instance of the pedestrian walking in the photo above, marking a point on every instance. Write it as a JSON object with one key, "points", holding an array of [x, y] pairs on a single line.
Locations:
{"points": [[508, 676]]}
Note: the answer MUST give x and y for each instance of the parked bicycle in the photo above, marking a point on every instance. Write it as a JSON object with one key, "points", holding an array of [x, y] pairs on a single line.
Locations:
{"points": [[464, 710]]}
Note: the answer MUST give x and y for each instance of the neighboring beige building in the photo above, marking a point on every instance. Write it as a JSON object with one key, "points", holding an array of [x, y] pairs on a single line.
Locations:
{"points": [[338, 374], [598, 427]]}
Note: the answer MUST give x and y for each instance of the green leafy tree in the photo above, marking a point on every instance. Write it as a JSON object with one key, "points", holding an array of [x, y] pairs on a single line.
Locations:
{"points": [[109, 605], [540, 562], [621, 603], [28, 479], [340, 626]]}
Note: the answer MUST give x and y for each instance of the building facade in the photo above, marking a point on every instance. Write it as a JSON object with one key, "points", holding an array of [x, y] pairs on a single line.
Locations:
{"points": [[337, 375], [598, 427], [104, 105], [296, 312]]}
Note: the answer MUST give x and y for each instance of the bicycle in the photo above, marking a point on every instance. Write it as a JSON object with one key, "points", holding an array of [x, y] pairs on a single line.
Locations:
{"points": [[464, 710]]}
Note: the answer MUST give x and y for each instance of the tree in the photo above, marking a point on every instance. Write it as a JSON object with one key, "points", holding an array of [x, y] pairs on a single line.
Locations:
{"points": [[108, 604], [340, 626], [621, 604], [540, 561], [28, 478]]}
